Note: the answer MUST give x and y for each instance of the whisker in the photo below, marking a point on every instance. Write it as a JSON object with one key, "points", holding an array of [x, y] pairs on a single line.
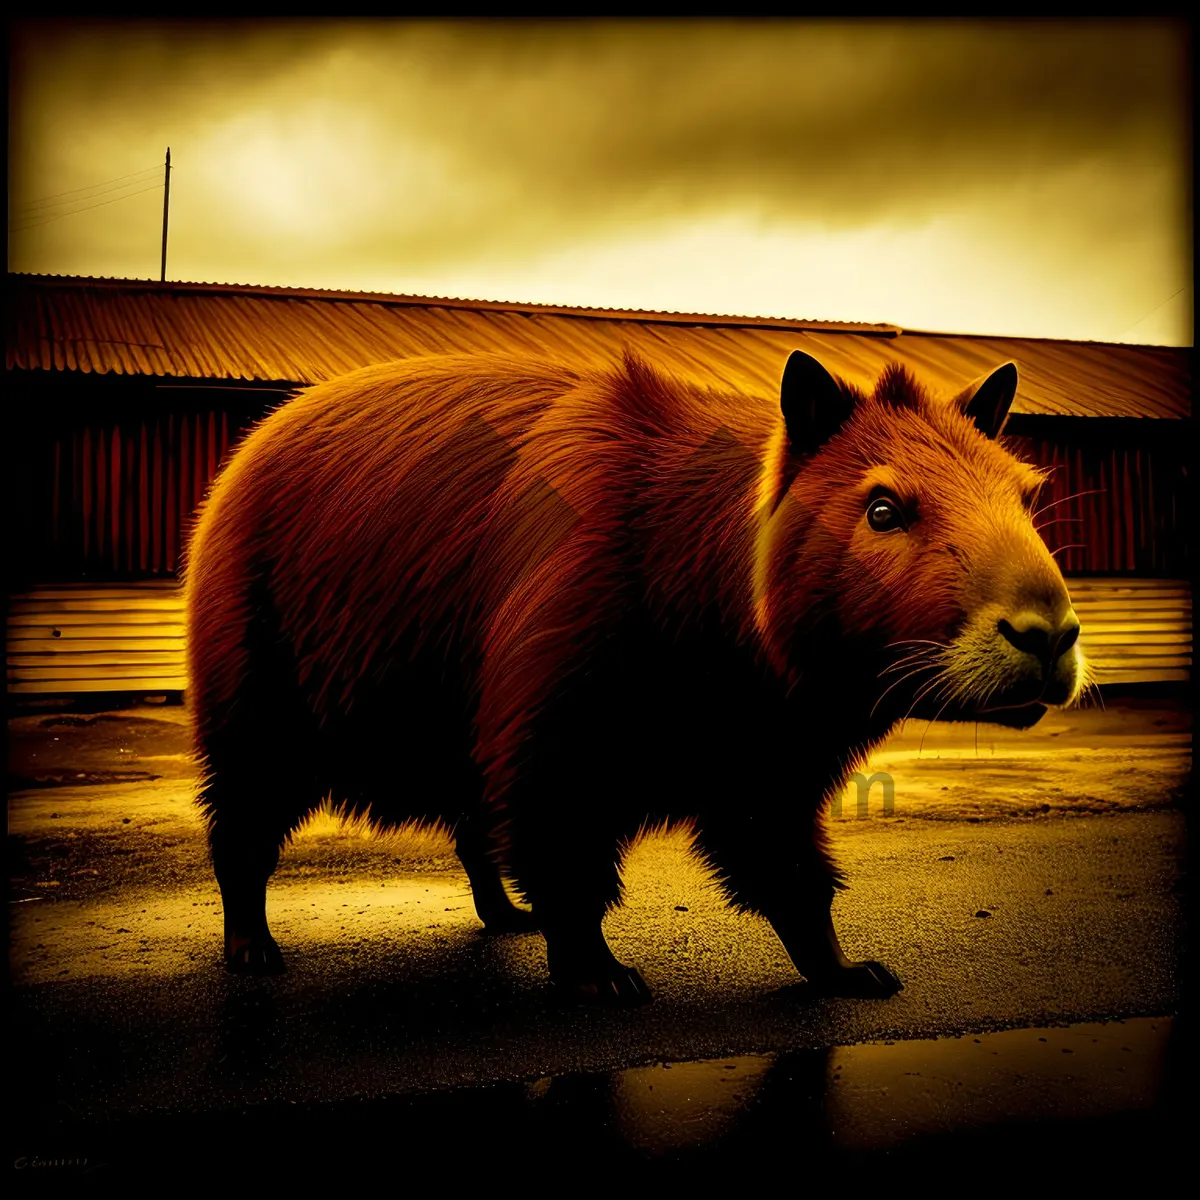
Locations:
{"points": [[917, 642], [1058, 521], [921, 746], [930, 684], [907, 668], [915, 669], [897, 682], [926, 644], [1073, 496], [908, 659], [1092, 689], [923, 691]]}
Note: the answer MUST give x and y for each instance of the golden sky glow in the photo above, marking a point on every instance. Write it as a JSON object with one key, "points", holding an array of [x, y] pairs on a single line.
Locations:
{"points": [[1005, 179]]}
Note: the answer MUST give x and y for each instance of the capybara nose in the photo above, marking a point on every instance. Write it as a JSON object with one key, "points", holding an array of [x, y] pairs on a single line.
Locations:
{"points": [[1034, 634]]}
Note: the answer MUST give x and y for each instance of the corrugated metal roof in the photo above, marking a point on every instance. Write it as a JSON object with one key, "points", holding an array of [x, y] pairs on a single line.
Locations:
{"points": [[300, 336]]}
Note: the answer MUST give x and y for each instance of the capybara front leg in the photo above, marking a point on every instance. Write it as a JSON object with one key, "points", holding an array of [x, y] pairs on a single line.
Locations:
{"points": [[492, 904], [571, 879], [811, 941], [583, 970], [244, 856], [789, 881]]}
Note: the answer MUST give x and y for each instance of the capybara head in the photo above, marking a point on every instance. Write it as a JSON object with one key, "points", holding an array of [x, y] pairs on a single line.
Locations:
{"points": [[903, 520]]}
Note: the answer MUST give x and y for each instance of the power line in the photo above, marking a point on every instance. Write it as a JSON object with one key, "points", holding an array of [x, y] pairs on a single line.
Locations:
{"points": [[1156, 308], [37, 201], [101, 204], [50, 205]]}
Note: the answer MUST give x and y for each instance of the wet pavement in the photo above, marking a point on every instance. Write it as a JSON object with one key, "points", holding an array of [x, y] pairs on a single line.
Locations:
{"points": [[1027, 888]]}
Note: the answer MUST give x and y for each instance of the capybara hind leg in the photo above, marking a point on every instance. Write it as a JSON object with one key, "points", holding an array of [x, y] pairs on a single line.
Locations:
{"points": [[571, 882], [789, 881], [244, 855], [492, 904]]}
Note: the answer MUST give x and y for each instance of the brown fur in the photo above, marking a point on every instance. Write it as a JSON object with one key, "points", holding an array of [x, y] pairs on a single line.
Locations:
{"points": [[568, 599]]}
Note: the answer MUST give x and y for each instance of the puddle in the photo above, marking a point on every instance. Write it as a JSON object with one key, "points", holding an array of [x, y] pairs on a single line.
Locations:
{"points": [[881, 1096], [1043, 1100]]}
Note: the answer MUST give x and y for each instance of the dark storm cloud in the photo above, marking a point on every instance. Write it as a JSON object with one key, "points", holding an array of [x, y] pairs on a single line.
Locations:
{"points": [[833, 123], [561, 129], [1029, 177]]}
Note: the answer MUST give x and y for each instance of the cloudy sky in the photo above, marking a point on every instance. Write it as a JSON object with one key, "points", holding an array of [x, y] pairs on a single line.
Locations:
{"points": [[1006, 179]]}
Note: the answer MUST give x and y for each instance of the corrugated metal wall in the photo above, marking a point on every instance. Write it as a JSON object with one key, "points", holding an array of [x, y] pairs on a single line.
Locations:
{"points": [[123, 494], [1109, 507], [118, 495]]}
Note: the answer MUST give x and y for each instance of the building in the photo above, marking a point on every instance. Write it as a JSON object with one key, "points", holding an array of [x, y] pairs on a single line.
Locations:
{"points": [[125, 395]]}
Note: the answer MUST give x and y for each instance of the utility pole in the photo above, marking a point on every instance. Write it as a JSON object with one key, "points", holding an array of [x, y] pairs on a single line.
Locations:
{"points": [[166, 211]]}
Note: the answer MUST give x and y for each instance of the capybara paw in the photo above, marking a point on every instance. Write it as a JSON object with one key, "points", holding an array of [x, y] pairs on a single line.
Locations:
{"points": [[624, 988], [859, 981], [253, 956], [509, 920]]}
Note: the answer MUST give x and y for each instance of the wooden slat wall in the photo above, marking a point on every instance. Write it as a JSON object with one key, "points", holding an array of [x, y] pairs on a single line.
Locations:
{"points": [[70, 638]]}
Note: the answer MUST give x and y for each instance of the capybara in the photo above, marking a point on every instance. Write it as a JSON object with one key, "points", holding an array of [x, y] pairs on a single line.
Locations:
{"points": [[543, 603]]}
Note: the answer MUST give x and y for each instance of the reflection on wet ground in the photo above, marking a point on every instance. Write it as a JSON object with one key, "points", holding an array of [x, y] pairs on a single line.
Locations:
{"points": [[1048, 1099]]}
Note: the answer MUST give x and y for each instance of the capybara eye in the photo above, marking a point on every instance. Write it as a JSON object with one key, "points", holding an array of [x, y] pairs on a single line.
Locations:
{"points": [[884, 515]]}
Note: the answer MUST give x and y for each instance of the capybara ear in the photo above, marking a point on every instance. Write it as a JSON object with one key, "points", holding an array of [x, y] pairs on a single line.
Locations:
{"points": [[815, 404], [989, 398]]}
